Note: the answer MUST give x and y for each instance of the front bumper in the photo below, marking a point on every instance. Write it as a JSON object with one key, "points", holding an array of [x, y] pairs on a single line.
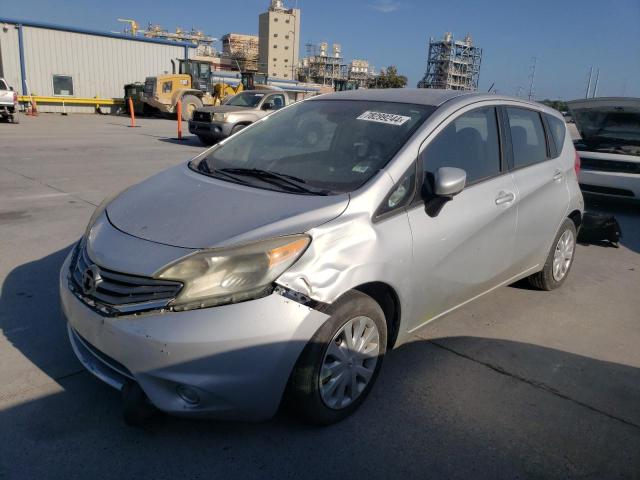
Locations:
{"points": [[213, 130], [237, 358], [612, 184]]}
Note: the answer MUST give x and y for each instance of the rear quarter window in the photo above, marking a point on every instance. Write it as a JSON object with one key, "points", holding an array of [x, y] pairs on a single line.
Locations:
{"points": [[558, 130]]}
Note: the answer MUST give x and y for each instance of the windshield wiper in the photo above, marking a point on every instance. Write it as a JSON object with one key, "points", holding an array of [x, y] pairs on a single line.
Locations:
{"points": [[269, 176]]}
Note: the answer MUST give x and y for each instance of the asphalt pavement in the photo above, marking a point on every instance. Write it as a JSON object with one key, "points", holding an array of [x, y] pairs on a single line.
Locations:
{"points": [[518, 384]]}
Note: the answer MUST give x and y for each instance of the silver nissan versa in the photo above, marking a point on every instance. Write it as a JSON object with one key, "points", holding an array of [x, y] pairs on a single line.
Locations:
{"points": [[282, 263]]}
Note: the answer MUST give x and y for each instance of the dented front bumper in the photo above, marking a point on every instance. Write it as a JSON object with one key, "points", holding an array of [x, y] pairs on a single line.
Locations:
{"points": [[234, 359]]}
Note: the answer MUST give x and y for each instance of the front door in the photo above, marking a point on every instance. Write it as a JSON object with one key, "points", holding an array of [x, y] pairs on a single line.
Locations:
{"points": [[467, 248]]}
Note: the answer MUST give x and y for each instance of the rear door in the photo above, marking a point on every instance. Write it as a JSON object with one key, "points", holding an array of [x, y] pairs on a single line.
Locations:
{"points": [[542, 193], [466, 248]]}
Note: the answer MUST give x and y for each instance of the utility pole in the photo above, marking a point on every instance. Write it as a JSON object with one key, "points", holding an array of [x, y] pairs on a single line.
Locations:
{"points": [[586, 95], [595, 88], [532, 77]]}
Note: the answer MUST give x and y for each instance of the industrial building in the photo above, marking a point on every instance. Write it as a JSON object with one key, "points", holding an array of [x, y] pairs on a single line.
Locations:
{"points": [[279, 29], [321, 67], [452, 64], [75, 65], [242, 49]]}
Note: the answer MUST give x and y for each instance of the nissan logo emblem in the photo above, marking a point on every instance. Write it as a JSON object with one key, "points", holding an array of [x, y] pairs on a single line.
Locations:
{"points": [[91, 279]]}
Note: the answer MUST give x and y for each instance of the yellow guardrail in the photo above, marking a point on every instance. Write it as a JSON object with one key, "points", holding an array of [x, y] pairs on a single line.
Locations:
{"points": [[71, 100]]}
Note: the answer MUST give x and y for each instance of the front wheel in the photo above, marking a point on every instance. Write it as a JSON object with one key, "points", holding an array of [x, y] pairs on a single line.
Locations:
{"points": [[189, 105], [339, 366], [559, 261]]}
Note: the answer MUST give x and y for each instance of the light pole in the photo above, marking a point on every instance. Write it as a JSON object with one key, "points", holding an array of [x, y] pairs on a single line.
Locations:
{"points": [[293, 51]]}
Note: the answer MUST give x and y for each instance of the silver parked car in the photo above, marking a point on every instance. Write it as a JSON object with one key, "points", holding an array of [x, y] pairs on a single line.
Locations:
{"points": [[285, 261]]}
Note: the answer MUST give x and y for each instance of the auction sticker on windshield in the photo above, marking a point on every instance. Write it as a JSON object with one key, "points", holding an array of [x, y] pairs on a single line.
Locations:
{"points": [[387, 118]]}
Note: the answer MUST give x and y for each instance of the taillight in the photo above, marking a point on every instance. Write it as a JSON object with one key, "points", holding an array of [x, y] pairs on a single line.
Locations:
{"points": [[576, 164]]}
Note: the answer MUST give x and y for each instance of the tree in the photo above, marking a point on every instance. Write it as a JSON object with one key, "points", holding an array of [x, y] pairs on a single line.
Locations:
{"points": [[388, 78]]}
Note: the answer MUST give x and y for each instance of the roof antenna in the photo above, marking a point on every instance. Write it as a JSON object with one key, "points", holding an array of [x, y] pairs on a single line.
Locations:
{"points": [[489, 91]]}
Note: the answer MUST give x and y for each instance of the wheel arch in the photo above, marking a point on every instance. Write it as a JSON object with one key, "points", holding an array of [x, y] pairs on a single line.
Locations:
{"points": [[576, 218], [385, 295]]}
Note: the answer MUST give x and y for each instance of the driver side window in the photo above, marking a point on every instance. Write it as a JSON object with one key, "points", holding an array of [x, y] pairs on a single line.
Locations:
{"points": [[469, 142]]}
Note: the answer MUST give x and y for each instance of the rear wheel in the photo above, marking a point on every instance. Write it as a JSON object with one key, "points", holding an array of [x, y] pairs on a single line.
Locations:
{"points": [[559, 261], [189, 105], [339, 366]]}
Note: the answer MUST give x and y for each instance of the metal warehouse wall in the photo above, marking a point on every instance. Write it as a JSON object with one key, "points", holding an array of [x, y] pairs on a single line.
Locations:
{"points": [[100, 66]]}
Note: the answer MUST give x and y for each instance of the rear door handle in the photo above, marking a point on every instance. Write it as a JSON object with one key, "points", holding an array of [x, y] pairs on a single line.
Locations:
{"points": [[557, 176], [504, 198]]}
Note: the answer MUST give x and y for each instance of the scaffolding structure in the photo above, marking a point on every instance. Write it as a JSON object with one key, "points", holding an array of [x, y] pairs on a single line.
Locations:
{"points": [[320, 67], [243, 49], [452, 64]]}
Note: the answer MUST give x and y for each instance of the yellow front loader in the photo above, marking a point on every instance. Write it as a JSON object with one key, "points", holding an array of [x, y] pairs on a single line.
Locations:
{"points": [[192, 85]]}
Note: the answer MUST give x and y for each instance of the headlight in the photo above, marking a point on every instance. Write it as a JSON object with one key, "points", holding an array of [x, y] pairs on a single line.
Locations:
{"points": [[228, 275], [219, 117]]}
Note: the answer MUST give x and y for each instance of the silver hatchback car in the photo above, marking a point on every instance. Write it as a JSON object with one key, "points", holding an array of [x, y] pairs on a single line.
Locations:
{"points": [[282, 263]]}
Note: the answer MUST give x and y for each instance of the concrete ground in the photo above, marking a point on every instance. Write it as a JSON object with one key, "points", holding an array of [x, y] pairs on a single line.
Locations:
{"points": [[519, 384]]}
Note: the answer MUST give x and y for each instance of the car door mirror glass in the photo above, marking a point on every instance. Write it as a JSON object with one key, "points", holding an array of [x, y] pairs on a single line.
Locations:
{"points": [[449, 181]]}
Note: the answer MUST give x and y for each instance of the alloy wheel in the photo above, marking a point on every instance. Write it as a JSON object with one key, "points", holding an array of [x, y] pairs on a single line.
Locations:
{"points": [[563, 255]]}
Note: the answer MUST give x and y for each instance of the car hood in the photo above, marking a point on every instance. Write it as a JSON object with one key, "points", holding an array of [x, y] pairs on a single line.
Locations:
{"points": [[183, 208], [225, 109], [607, 121]]}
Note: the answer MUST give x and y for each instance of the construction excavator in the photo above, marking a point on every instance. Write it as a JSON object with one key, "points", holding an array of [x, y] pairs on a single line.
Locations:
{"points": [[192, 85]]}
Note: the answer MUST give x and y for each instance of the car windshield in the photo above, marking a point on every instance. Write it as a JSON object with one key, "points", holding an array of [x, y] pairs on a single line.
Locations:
{"points": [[329, 146], [245, 99]]}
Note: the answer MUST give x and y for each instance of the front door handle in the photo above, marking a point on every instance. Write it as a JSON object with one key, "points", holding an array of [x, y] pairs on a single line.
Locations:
{"points": [[505, 198], [557, 176]]}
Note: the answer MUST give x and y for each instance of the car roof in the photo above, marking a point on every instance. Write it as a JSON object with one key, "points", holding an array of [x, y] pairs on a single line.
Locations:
{"points": [[427, 96], [420, 96]]}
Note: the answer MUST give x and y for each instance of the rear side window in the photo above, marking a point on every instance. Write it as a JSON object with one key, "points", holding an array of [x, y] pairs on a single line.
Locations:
{"points": [[3, 86], [558, 130], [469, 142], [527, 137]]}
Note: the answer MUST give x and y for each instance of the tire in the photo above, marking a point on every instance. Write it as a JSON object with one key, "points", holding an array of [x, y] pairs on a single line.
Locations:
{"points": [[189, 105], [546, 279], [236, 129], [206, 140], [316, 404]]}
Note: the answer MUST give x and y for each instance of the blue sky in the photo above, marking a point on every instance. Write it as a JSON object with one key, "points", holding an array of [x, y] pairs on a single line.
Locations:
{"points": [[566, 36]]}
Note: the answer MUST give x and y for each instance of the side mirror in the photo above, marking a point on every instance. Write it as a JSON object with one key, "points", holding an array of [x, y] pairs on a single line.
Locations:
{"points": [[441, 187], [11, 88], [449, 181]]}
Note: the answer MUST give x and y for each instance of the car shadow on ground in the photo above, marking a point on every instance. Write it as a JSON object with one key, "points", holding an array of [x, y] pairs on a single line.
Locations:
{"points": [[190, 140], [456, 407]]}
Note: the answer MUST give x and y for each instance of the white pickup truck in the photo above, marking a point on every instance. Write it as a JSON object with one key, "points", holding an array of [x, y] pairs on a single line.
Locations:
{"points": [[8, 102]]}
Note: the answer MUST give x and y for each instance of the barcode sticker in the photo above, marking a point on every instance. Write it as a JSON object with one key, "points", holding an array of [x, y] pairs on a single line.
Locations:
{"points": [[386, 118]]}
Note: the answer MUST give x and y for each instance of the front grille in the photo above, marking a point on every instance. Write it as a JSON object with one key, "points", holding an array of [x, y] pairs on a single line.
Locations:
{"points": [[103, 357], [610, 165], [199, 116], [115, 289], [149, 87]]}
